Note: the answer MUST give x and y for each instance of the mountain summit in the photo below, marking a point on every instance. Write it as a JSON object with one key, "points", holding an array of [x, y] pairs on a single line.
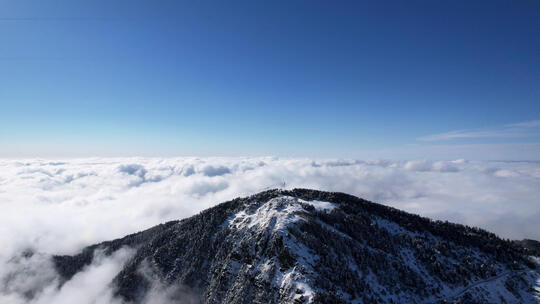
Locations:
{"points": [[307, 246]]}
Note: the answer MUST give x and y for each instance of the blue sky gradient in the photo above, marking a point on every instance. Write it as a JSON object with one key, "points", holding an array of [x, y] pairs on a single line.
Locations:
{"points": [[389, 79]]}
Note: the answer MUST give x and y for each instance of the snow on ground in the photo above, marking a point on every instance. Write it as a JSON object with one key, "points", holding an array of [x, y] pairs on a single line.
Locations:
{"points": [[537, 283], [320, 205], [274, 217], [276, 214], [537, 289]]}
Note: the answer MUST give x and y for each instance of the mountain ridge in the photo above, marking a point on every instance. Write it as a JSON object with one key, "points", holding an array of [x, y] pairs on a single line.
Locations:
{"points": [[327, 247]]}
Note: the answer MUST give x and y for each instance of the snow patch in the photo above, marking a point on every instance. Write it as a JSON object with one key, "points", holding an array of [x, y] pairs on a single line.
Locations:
{"points": [[276, 214], [320, 205], [537, 289]]}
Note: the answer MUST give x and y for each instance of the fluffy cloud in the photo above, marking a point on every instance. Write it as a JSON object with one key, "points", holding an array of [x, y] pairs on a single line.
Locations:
{"points": [[58, 207]]}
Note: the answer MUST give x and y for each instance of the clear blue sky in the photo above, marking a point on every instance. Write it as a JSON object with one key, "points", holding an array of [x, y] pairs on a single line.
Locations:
{"points": [[388, 79]]}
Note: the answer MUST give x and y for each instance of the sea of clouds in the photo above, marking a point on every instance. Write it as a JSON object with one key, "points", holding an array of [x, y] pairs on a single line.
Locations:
{"points": [[58, 207]]}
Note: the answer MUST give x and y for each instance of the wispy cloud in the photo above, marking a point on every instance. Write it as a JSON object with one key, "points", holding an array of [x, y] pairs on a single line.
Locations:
{"points": [[515, 130], [471, 134], [525, 124]]}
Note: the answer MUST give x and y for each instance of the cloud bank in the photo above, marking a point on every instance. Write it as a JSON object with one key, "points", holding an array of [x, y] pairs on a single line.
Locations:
{"points": [[58, 207]]}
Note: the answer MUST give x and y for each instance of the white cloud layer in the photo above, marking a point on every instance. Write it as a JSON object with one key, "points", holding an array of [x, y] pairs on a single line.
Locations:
{"points": [[58, 207]]}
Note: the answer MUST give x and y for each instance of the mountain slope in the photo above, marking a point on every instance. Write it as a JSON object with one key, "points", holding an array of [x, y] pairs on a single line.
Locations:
{"points": [[307, 246]]}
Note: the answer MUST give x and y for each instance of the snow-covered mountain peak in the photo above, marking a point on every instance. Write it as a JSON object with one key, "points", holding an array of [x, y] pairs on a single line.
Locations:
{"points": [[276, 213], [307, 246]]}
